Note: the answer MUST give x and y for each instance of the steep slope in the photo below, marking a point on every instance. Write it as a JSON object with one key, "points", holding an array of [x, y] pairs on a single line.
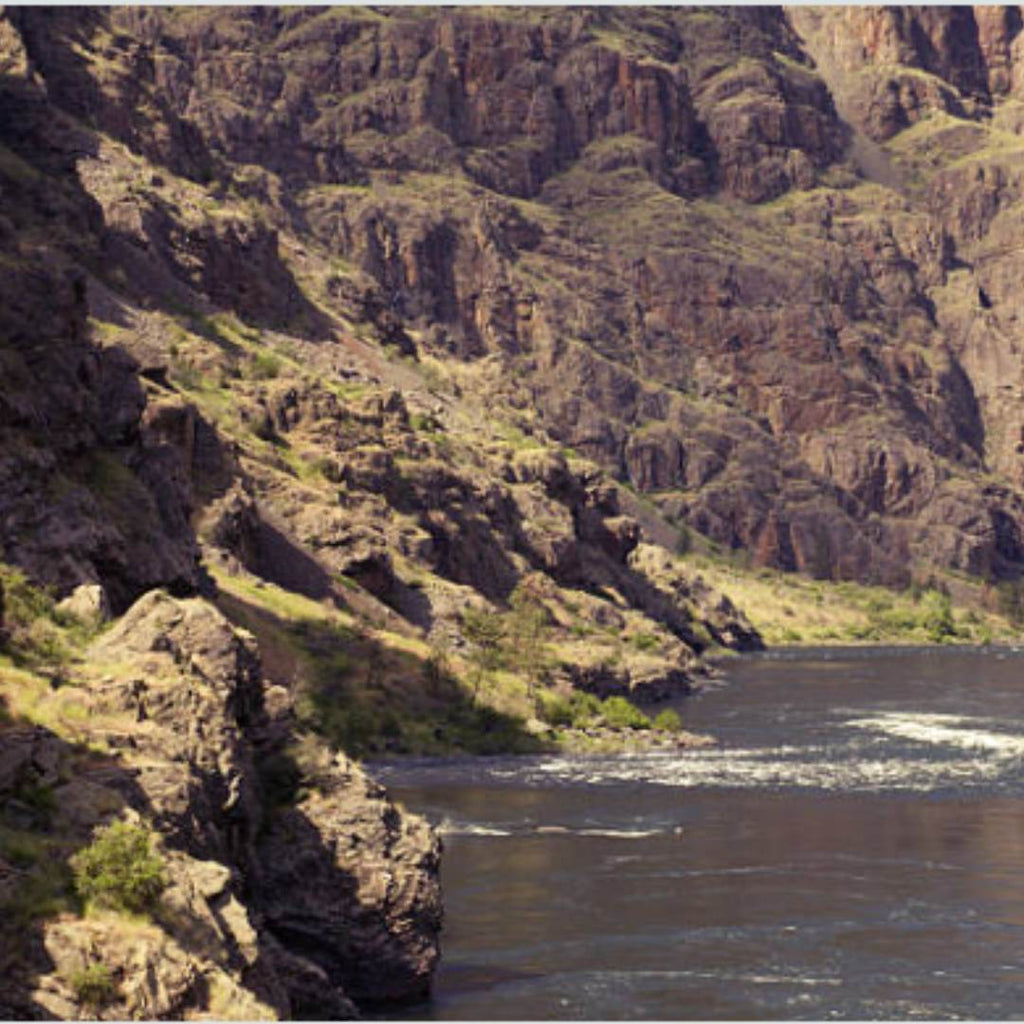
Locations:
{"points": [[379, 333], [165, 721]]}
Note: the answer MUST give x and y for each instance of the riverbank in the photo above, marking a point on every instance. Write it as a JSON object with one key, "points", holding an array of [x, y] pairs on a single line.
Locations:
{"points": [[794, 610]]}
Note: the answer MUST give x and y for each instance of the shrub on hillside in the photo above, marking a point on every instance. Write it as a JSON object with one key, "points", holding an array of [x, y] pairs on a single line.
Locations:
{"points": [[92, 986], [668, 721], [119, 870], [620, 714]]}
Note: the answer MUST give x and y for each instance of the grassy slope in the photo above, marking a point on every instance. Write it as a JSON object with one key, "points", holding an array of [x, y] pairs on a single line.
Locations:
{"points": [[791, 609]]}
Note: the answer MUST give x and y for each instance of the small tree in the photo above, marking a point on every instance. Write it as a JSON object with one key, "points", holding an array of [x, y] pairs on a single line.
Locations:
{"points": [[119, 869], [525, 636], [485, 632]]}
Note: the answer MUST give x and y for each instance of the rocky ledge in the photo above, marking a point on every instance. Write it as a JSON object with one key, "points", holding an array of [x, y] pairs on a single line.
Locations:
{"points": [[630, 741]]}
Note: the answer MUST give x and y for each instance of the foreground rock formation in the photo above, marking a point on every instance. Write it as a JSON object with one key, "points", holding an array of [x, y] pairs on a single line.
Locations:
{"points": [[278, 904]]}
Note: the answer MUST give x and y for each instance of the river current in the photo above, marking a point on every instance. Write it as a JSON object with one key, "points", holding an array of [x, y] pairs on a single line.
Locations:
{"points": [[853, 849]]}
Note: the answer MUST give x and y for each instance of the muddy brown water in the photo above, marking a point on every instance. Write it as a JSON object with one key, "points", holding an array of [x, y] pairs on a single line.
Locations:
{"points": [[854, 849]]}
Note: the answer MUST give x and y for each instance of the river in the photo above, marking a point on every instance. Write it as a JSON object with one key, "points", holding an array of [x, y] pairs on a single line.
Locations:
{"points": [[854, 849]]}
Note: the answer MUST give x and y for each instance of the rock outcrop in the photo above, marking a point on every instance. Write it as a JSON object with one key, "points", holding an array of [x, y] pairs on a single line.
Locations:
{"points": [[294, 908], [387, 319], [583, 195]]}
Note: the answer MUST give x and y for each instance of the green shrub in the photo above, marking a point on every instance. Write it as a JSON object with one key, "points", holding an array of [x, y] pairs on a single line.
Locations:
{"points": [[668, 721], [618, 713], [424, 423], [92, 986], [31, 627], [555, 710], [22, 601], [525, 633], [576, 711], [265, 366], [937, 617], [585, 709], [645, 641], [119, 869]]}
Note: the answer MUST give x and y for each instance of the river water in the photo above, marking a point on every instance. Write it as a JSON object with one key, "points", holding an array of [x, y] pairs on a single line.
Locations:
{"points": [[854, 848]]}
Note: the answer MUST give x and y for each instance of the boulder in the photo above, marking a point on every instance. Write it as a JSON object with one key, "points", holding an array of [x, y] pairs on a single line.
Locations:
{"points": [[88, 602]]}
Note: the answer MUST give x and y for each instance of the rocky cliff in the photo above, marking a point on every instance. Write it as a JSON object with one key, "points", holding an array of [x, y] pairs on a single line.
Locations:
{"points": [[752, 262], [270, 908]]}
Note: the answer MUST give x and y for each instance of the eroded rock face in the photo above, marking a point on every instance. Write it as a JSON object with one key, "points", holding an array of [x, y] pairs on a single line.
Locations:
{"points": [[352, 884], [82, 502]]}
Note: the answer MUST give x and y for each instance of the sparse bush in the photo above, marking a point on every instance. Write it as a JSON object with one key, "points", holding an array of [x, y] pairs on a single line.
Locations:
{"points": [[93, 985], [30, 628], [585, 708], [424, 423], [184, 374], [438, 666], [485, 632], [937, 617], [555, 710], [525, 633], [577, 711], [618, 713], [119, 869], [46, 642]]}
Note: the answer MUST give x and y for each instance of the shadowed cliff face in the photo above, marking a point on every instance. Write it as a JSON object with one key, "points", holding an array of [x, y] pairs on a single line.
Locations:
{"points": [[716, 250]]}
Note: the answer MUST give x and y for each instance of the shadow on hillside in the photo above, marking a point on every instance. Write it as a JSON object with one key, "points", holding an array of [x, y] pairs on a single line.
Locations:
{"points": [[368, 698], [234, 262]]}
